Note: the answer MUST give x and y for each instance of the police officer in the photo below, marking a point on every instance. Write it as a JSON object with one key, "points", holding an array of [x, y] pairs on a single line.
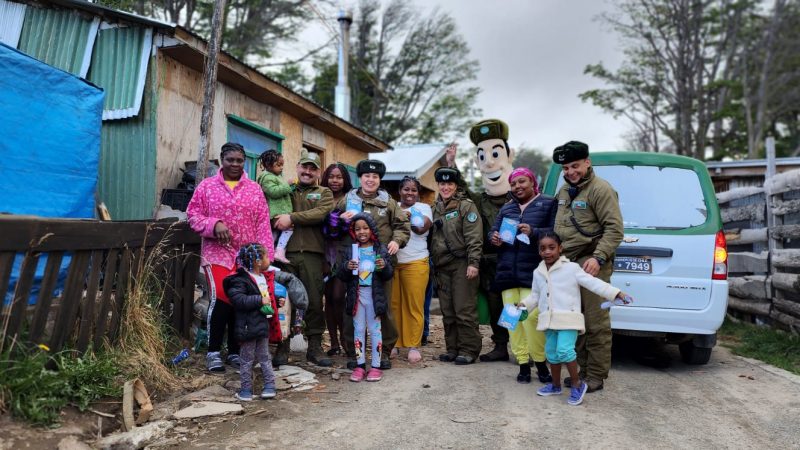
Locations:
{"points": [[311, 204], [457, 237], [589, 222]]}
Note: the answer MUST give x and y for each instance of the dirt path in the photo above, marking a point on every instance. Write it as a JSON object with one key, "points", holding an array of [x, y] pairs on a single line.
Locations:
{"points": [[729, 403]]}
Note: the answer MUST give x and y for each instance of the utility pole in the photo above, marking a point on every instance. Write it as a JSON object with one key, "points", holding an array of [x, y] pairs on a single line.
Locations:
{"points": [[209, 90]]}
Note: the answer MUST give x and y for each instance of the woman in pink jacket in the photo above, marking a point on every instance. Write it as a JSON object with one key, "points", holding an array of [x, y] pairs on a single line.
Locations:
{"points": [[227, 211]]}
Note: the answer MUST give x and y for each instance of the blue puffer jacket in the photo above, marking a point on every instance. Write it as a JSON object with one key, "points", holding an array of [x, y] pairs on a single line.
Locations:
{"points": [[516, 263]]}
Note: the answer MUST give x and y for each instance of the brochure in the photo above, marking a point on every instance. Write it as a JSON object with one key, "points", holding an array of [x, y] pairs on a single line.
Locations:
{"points": [[366, 265], [508, 230], [353, 205]]}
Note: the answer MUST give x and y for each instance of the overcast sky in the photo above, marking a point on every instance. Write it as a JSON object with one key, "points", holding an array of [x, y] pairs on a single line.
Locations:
{"points": [[532, 54]]}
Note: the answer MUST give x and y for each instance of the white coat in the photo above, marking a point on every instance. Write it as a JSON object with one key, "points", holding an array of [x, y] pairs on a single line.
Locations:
{"points": [[557, 293]]}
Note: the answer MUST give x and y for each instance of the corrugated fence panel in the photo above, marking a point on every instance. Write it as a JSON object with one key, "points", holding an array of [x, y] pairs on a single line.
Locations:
{"points": [[12, 15], [119, 65], [58, 38], [127, 182]]}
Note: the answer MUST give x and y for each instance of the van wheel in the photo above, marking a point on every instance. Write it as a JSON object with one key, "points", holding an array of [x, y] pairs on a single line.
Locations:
{"points": [[692, 354]]}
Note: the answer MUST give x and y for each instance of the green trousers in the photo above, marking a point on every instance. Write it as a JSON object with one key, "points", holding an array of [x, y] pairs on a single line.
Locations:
{"points": [[493, 299], [458, 301], [308, 268], [594, 346]]}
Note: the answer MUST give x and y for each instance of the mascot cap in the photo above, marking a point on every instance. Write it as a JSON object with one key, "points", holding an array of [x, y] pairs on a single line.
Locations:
{"points": [[569, 152], [307, 157], [371, 166], [446, 174], [488, 129]]}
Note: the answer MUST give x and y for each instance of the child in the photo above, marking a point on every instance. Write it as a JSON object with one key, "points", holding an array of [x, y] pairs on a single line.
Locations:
{"points": [[278, 194], [251, 290], [366, 298], [556, 292]]}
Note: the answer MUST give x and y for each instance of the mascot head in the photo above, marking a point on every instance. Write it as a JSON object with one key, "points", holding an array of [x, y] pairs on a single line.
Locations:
{"points": [[493, 155]]}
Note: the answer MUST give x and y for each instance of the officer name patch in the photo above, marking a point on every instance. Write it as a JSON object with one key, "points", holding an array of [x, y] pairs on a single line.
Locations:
{"points": [[579, 205], [451, 215], [472, 217], [313, 196]]}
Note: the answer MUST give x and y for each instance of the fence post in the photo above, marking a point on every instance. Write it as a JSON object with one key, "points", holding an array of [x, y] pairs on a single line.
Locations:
{"points": [[768, 193]]}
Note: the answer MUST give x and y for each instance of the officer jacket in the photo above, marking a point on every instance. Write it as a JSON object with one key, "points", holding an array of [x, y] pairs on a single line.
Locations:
{"points": [[488, 207], [516, 262], [591, 223], [391, 221], [457, 231], [311, 204]]}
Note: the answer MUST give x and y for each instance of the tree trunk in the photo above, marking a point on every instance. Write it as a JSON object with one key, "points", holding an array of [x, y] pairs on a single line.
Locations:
{"points": [[209, 90]]}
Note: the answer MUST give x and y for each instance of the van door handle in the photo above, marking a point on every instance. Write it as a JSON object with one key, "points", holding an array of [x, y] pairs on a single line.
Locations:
{"points": [[634, 250]]}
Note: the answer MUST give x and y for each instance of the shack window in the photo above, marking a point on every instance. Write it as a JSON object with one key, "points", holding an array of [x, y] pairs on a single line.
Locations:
{"points": [[255, 139]]}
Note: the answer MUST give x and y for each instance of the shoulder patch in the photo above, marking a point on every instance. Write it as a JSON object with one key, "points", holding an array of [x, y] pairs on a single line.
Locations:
{"points": [[472, 217]]}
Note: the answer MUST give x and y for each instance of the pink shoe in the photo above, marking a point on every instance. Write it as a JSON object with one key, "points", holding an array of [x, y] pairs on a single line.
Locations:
{"points": [[358, 375], [374, 374], [414, 356], [394, 353], [280, 255]]}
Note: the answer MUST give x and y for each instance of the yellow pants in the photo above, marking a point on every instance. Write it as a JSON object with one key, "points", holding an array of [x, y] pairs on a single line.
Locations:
{"points": [[526, 341], [408, 301]]}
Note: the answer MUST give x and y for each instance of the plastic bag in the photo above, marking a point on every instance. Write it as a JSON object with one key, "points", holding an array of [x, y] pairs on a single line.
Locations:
{"points": [[298, 344], [510, 317]]}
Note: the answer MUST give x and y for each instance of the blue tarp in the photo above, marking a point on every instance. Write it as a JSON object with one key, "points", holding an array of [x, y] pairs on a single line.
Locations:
{"points": [[49, 144]]}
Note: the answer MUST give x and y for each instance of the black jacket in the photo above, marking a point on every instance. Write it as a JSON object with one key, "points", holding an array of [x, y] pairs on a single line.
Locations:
{"points": [[516, 262], [250, 323], [379, 278]]}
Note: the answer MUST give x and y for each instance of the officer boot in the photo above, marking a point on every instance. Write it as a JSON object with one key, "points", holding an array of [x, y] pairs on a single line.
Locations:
{"points": [[499, 353], [314, 354], [543, 372], [281, 354]]}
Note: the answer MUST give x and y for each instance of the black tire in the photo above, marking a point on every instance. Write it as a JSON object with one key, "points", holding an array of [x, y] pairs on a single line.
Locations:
{"points": [[691, 354]]}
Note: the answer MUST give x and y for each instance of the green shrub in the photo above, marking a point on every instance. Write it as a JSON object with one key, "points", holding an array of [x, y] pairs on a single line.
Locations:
{"points": [[772, 346]]}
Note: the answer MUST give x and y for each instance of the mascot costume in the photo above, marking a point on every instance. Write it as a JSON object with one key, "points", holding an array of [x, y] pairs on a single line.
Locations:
{"points": [[493, 157]]}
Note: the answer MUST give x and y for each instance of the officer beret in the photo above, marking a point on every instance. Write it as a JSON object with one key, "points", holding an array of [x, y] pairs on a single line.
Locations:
{"points": [[488, 129], [371, 166], [446, 174], [569, 152]]}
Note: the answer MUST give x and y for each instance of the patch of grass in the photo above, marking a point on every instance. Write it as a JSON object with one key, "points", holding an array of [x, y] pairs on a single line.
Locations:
{"points": [[35, 385], [775, 347]]}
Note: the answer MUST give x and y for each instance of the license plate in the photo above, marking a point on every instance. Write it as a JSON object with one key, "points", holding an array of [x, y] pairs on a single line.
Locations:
{"points": [[633, 264]]}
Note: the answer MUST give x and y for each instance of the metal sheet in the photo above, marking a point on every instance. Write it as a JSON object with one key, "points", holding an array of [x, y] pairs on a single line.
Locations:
{"points": [[62, 39], [12, 15]]}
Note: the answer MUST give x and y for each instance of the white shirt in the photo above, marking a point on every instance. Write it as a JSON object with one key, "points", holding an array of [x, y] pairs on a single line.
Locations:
{"points": [[417, 247]]}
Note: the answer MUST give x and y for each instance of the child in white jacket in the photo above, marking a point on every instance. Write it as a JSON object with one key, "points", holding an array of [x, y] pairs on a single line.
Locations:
{"points": [[556, 291]]}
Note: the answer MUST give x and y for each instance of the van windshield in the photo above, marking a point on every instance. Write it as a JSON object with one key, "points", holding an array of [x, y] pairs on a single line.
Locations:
{"points": [[656, 197]]}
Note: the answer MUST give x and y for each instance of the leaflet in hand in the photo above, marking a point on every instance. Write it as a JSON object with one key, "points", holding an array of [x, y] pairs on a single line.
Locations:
{"points": [[417, 218], [508, 230], [510, 316], [366, 266], [353, 205]]}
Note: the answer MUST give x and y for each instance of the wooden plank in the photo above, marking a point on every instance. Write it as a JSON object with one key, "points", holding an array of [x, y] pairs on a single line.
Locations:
{"points": [[788, 306], [783, 182], [786, 281], [748, 262], [741, 237], [793, 323], [22, 292], [120, 294], [70, 300], [739, 193], [192, 266], [783, 207], [785, 232], [786, 258], [750, 306], [176, 284], [87, 316], [168, 272], [755, 213], [43, 234], [45, 300], [112, 262], [753, 287], [6, 264]]}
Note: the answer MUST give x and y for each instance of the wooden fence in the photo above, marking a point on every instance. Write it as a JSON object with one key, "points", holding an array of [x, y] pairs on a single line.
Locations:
{"points": [[103, 263], [762, 227]]}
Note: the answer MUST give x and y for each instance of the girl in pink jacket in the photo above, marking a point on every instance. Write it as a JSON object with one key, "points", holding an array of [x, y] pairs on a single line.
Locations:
{"points": [[227, 211]]}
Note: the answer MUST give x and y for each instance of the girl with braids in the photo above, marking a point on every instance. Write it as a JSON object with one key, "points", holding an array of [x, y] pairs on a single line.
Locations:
{"points": [[227, 211], [278, 194], [252, 292]]}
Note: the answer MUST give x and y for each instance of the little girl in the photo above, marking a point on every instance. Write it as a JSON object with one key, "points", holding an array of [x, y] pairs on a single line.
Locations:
{"points": [[366, 299], [278, 193], [556, 292], [252, 291]]}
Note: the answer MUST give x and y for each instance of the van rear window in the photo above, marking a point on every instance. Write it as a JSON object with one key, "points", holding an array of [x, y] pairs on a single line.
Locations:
{"points": [[656, 197]]}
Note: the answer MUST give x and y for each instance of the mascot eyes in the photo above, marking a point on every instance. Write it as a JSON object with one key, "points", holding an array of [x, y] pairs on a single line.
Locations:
{"points": [[495, 155], [481, 155]]}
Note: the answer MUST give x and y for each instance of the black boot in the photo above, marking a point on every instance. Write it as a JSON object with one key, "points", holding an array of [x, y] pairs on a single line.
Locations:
{"points": [[281, 354], [524, 374], [543, 372], [314, 353], [499, 353]]}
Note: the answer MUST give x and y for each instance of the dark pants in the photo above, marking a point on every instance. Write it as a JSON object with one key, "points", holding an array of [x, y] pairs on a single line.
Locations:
{"points": [[308, 268], [594, 346], [458, 299], [493, 299], [335, 291], [222, 317], [252, 351]]}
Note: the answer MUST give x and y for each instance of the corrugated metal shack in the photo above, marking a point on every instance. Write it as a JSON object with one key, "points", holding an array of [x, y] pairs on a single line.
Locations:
{"points": [[151, 73]]}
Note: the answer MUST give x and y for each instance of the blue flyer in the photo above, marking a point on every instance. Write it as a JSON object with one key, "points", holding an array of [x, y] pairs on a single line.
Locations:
{"points": [[366, 265], [508, 230], [353, 205], [417, 218]]}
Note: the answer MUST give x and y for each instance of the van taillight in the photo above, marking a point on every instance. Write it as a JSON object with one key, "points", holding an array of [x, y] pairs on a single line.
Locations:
{"points": [[720, 258]]}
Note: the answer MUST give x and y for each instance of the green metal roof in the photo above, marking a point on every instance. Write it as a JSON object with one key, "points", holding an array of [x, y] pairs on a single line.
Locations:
{"points": [[60, 38]]}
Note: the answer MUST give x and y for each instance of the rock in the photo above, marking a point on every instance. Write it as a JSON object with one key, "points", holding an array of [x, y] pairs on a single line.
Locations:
{"points": [[72, 443], [233, 385], [137, 438], [204, 409], [336, 376], [211, 393], [282, 385]]}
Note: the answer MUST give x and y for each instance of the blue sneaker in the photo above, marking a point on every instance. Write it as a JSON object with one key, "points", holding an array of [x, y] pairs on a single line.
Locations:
{"points": [[577, 393], [268, 392], [245, 395], [549, 389]]}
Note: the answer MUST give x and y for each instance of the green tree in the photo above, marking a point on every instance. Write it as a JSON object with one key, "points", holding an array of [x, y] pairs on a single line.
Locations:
{"points": [[534, 159]]}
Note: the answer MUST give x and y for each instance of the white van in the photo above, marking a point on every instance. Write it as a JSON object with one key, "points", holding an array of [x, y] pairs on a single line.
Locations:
{"points": [[673, 259]]}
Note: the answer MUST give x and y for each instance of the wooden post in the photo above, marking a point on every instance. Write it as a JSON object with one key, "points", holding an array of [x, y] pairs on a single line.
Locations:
{"points": [[770, 173], [209, 90]]}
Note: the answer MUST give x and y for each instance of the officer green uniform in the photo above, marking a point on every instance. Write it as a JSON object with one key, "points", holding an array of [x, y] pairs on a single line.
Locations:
{"points": [[457, 237], [305, 251], [589, 223], [393, 225]]}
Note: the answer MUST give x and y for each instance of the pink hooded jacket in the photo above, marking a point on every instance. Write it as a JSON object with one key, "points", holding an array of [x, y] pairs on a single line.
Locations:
{"points": [[243, 210]]}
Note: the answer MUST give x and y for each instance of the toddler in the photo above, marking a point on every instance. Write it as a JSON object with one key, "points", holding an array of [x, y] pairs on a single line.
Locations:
{"points": [[278, 193]]}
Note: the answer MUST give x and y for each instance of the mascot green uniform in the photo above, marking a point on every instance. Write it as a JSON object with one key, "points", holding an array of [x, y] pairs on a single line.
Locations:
{"points": [[493, 157]]}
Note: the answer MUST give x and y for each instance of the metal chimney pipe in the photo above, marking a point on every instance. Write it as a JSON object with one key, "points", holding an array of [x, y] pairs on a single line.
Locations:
{"points": [[342, 97]]}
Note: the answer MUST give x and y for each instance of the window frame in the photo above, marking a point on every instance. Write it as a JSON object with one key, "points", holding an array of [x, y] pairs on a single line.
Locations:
{"points": [[258, 129]]}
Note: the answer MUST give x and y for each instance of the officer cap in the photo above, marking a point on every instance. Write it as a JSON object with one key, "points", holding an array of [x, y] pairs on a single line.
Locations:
{"points": [[371, 166], [569, 152], [307, 157], [488, 129], [446, 174]]}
